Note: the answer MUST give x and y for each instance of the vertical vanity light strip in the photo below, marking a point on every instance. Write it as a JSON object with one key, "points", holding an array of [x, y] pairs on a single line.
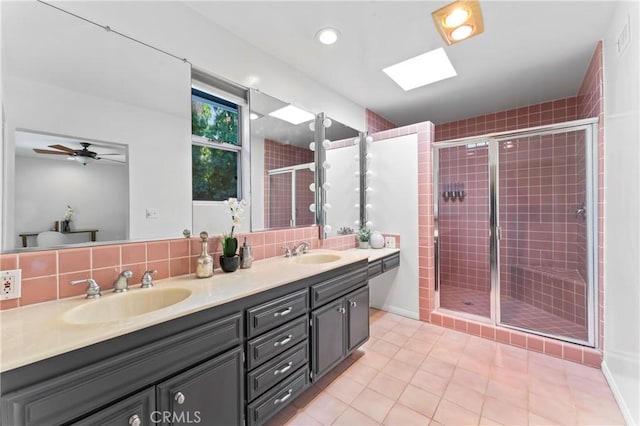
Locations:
{"points": [[363, 149], [320, 156]]}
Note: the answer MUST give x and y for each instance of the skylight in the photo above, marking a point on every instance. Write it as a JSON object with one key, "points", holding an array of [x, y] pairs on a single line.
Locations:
{"points": [[292, 114], [421, 70]]}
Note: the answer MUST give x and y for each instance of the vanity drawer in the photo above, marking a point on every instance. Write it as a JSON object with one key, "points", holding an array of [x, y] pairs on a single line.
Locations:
{"points": [[375, 268], [263, 378], [326, 291], [390, 262], [262, 409], [264, 317], [265, 347]]}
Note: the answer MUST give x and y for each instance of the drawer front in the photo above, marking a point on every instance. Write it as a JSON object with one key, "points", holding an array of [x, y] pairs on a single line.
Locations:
{"points": [[375, 268], [335, 287], [269, 315], [262, 409], [263, 348], [390, 262], [263, 378], [139, 406]]}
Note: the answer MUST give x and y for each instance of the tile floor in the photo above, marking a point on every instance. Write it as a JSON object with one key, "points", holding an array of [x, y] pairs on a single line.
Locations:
{"points": [[514, 312], [415, 373]]}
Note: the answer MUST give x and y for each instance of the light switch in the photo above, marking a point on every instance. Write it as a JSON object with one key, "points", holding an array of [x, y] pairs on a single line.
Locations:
{"points": [[153, 213]]}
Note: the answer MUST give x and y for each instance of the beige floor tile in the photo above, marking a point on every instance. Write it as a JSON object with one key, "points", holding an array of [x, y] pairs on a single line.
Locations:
{"points": [[475, 364], [325, 408], [361, 373], [419, 346], [404, 416], [449, 413], [385, 348], [544, 388], [477, 382], [464, 397], [551, 408], [427, 337], [373, 404], [504, 412], [327, 379], [419, 400], [517, 395], [283, 417], [395, 338], [399, 370], [445, 354], [406, 329], [511, 363], [429, 382], [437, 366], [510, 377], [410, 357], [536, 420], [307, 397], [374, 359], [345, 389], [387, 385], [352, 417], [546, 360], [488, 422]]}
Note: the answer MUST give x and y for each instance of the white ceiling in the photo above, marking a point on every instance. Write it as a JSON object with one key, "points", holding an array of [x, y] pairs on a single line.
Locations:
{"points": [[530, 52]]}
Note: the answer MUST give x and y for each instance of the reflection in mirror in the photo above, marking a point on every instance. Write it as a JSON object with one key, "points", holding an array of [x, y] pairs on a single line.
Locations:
{"points": [[342, 179], [62, 75], [59, 178], [282, 164]]}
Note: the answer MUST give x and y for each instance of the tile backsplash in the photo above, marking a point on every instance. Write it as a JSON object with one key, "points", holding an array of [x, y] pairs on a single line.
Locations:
{"points": [[46, 274]]}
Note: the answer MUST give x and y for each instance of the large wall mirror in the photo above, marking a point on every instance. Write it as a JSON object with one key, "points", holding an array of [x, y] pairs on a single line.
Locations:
{"points": [[282, 164], [67, 83]]}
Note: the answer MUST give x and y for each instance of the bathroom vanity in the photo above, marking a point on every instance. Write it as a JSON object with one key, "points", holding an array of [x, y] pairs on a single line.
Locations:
{"points": [[236, 351]]}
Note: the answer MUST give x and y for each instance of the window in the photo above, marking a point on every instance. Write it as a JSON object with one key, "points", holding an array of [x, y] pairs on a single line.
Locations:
{"points": [[216, 146]]}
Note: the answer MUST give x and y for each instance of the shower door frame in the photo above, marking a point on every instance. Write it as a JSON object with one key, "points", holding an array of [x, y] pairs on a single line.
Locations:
{"points": [[292, 171], [590, 128]]}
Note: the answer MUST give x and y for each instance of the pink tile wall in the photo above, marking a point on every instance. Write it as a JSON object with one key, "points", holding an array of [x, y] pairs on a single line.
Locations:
{"points": [[377, 123], [277, 188], [46, 274]]}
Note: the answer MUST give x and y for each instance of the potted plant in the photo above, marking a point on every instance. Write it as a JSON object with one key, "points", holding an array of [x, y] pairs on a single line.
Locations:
{"points": [[363, 236], [66, 219], [230, 260]]}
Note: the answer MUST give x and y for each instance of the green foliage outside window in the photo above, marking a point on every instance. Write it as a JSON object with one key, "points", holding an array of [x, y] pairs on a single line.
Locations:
{"points": [[213, 122]]}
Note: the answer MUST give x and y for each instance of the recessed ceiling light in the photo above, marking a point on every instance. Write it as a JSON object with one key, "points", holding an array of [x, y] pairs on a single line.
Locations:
{"points": [[292, 114], [459, 20], [422, 70], [327, 36], [462, 32], [456, 18], [254, 116]]}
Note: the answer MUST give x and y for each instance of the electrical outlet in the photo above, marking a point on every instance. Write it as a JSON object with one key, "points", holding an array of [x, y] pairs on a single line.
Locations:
{"points": [[153, 213], [11, 284], [390, 242]]}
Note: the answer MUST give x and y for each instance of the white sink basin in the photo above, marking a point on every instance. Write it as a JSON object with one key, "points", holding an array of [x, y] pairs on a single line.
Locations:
{"points": [[317, 258], [118, 307]]}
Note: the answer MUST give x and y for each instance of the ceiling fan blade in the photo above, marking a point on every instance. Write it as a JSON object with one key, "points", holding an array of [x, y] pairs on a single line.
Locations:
{"points": [[109, 159], [115, 153], [46, 151], [63, 148]]}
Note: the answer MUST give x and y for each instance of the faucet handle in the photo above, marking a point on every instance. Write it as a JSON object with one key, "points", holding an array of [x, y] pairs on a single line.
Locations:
{"points": [[307, 246], [287, 251], [147, 280], [93, 289]]}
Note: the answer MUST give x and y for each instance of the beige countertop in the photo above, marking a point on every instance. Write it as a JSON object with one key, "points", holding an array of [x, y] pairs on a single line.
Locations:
{"points": [[375, 254], [36, 332]]}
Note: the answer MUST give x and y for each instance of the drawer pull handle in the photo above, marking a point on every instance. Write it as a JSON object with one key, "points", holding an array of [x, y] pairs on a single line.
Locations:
{"points": [[342, 310], [283, 341], [283, 369], [353, 304], [284, 398], [179, 398], [135, 420], [283, 313]]}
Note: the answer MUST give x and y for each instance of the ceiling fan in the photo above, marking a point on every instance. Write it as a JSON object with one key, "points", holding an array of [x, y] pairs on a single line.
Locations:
{"points": [[83, 155]]}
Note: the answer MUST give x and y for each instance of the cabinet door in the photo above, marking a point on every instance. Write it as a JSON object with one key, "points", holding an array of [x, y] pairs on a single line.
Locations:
{"points": [[358, 318], [328, 330], [209, 394], [137, 410]]}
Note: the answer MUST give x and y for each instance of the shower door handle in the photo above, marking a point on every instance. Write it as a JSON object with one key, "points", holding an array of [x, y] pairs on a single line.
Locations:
{"points": [[499, 232]]}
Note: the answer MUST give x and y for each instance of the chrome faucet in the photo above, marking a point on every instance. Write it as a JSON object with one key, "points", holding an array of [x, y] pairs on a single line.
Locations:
{"points": [[304, 246], [93, 290], [287, 251], [121, 284], [146, 280]]}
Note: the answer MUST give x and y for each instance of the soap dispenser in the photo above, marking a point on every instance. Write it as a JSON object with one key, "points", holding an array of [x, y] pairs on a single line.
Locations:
{"points": [[246, 257], [204, 269]]}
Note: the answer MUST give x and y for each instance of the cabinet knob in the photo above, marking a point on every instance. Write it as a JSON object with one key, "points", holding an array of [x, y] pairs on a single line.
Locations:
{"points": [[342, 310], [353, 304], [180, 398], [135, 420]]}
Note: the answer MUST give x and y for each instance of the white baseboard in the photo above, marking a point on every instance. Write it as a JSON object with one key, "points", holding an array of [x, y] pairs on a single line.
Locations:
{"points": [[398, 311], [624, 409]]}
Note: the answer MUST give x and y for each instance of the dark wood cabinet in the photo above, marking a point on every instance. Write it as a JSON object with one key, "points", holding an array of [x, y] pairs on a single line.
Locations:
{"points": [[357, 318], [137, 410]]}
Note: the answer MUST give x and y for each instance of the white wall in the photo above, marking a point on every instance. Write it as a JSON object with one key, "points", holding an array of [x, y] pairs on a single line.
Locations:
{"points": [[178, 29], [394, 198], [622, 213], [98, 194], [342, 195]]}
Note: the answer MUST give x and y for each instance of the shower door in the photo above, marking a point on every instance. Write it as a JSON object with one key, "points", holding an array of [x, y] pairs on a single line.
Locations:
{"points": [[288, 197], [543, 199]]}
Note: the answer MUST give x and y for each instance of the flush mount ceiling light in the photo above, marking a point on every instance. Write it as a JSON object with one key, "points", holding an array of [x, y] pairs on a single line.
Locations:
{"points": [[292, 114], [254, 115], [327, 36], [421, 70], [459, 21]]}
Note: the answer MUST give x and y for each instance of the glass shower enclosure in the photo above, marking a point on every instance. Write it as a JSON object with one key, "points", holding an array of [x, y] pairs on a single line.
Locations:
{"points": [[516, 229]]}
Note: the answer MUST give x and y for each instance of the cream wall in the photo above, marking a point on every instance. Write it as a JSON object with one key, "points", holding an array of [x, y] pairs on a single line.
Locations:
{"points": [[622, 213]]}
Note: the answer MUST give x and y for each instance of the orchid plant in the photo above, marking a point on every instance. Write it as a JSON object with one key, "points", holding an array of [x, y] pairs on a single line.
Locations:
{"points": [[68, 214], [235, 208]]}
